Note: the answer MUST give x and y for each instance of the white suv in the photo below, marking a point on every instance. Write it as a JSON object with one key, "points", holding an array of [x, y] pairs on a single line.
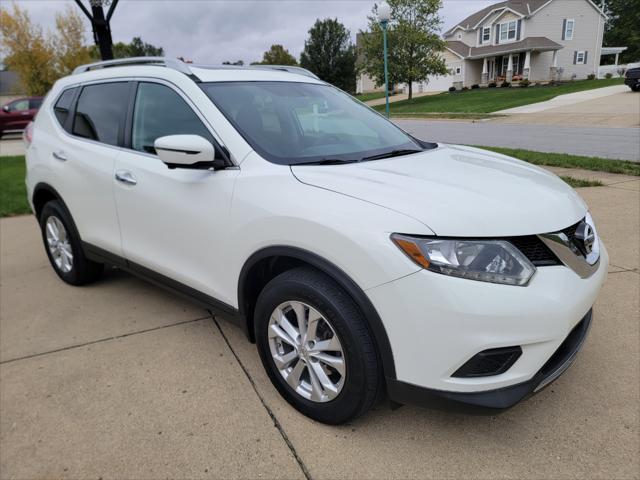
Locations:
{"points": [[360, 260]]}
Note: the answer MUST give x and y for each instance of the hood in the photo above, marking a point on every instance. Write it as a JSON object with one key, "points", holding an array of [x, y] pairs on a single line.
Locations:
{"points": [[457, 191]]}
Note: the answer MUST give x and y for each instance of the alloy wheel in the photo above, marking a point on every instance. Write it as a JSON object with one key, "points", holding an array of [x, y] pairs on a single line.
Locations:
{"points": [[58, 244], [307, 351]]}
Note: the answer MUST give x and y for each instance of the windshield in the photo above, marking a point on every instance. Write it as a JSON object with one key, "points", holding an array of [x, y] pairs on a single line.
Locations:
{"points": [[294, 123]]}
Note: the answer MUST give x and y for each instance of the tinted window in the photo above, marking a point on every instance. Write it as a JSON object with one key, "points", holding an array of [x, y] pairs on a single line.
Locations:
{"points": [[101, 111], [62, 106], [35, 103], [160, 111]]}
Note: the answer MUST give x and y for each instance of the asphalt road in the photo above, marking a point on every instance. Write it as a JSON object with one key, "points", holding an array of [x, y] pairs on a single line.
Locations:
{"points": [[620, 143]]}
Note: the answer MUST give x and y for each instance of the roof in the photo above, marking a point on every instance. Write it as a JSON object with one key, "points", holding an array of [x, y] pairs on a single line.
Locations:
{"points": [[540, 44], [523, 7], [612, 50]]}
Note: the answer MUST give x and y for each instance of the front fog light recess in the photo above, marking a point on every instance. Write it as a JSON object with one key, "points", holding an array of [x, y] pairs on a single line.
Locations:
{"points": [[495, 261]]}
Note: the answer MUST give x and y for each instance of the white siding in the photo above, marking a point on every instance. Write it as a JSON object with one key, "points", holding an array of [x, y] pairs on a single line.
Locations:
{"points": [[587, 36]]}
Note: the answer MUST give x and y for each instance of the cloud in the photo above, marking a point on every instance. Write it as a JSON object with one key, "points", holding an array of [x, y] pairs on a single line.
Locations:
{"points": [[212, 31]]}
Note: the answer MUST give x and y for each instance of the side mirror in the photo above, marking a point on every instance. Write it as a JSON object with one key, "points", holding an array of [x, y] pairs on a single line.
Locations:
{"points": [[187, 151], [6, 108]]}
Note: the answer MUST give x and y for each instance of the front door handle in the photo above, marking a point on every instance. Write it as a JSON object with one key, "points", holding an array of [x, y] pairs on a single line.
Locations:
{"points": [[127, 177], [60, 156]]}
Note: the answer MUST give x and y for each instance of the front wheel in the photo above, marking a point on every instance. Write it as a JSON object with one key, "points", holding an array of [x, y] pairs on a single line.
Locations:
{"points": [[315, 346], [64, 248]]}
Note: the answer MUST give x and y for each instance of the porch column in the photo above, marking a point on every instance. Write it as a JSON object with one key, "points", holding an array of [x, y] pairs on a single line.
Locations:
{"points": [[485, 72], [527, 65], [554, 66], [617, 58], [510, 68]]}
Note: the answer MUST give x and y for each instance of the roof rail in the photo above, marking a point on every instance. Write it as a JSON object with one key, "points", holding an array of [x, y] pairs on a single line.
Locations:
{"points": [[172, 63], [287, 68]]}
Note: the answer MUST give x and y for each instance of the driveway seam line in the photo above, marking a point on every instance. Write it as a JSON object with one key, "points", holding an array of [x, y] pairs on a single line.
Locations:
{"points": [[276, 422], [101, 340]]}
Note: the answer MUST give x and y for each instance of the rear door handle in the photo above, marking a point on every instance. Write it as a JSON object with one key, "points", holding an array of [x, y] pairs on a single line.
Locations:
{"points": [[60, 156], [127, 177]]}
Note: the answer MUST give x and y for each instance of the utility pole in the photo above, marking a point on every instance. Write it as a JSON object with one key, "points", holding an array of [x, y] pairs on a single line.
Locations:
{"points": [[100, 25]]}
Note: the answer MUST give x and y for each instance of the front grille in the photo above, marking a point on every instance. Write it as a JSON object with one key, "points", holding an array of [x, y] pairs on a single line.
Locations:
{"points": [[535, 250], [633, 73], [570, 232]]}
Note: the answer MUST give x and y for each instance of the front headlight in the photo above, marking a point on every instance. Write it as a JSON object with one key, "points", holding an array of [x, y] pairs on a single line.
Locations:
{"points": [[495, 261]]}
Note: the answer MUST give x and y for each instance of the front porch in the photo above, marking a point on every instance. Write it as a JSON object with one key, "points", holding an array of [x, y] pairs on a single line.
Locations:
{"points": [[515, 67]]}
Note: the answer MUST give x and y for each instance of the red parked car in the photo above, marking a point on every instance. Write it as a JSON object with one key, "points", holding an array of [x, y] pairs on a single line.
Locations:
{"points": [[17, 114]]}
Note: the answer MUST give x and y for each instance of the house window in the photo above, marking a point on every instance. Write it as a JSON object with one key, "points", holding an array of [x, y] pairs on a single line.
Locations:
{"points": [[508, 31], [458, 70], [459, 36], [581, 58], [569, 25], [486, 34]]}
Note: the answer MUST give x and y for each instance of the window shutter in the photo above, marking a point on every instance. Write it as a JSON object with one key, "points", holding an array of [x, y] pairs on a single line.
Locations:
{"points": [[575, 58], [497, 34], [480, 36], [564, 28], [585, 57], [519, 29]]}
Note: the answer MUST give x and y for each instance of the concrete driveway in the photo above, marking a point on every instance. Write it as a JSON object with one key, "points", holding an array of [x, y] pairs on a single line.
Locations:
{"points": [[123, 380], [618, 110]]}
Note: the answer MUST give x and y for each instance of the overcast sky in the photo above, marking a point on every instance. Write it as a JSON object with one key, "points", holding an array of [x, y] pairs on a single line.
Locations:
{"points": [[211, 31]]}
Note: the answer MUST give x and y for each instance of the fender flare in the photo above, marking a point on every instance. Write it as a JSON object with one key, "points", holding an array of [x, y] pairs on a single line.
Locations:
{"points": [[344, 281]]}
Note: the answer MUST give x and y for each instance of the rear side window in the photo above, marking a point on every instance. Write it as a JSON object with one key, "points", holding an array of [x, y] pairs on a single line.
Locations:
{"points": [[62, 106], [35, 103], [101, 112], [160, 111]]}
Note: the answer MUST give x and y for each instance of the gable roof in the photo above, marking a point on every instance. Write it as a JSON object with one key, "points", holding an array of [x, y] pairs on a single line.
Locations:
{"points": [[523, 7]]}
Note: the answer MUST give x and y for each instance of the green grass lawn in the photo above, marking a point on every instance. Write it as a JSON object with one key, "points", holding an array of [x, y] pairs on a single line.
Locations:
{"points": [[578, 183], [570, 161], [487, 100], [13, 193], [365, 97]]}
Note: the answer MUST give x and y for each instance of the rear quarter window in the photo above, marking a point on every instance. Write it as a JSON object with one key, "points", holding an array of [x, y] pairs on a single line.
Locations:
{"points": [[62, 106]]}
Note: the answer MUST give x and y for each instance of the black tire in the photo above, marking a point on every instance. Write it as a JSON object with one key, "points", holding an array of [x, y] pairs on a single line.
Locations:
{"points": [[636, 88], [362, 381], [82, 270]]}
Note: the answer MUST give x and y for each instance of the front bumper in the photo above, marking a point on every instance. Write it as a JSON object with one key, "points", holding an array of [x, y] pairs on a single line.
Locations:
{"points": [[632, 82], [502, 398], [436, 323]]}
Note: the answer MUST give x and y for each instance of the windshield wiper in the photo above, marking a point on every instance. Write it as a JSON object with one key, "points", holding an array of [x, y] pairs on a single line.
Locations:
{"points": [[327, 161], [392, 153]]}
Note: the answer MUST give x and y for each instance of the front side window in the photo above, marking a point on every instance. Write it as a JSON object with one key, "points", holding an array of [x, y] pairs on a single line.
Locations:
{"points": [[160, 111], [19, 105], [101, 111], [293, 123]]}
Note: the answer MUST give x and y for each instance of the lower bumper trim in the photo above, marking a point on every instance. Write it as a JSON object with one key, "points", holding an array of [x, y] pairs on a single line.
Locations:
{"points": [[494, 401]]}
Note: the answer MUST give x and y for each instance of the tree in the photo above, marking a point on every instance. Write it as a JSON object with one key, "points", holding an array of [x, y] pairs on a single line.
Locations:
{"points": [[137, 48], [330, 54], [414, 45], [623, 28], [277, 55], [39, 59]]}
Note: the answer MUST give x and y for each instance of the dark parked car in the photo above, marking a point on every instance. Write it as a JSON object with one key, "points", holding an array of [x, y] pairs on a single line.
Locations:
{"points": [[17, 114], [632, 77]]}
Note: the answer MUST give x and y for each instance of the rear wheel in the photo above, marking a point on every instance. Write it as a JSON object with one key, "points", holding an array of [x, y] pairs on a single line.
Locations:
{"points": [[315, 346], [63, 246]]}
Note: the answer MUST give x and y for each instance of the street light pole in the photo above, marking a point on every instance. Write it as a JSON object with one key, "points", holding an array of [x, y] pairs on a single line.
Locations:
{"points": [[384, 15], [100, 25]]}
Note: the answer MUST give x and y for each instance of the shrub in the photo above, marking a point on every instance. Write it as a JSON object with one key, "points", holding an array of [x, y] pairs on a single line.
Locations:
{"points": [[608, 75], [493, 85], [452, 89], [591, 76], [525, 83], [475, 86], [465, 89], [505, 85]]}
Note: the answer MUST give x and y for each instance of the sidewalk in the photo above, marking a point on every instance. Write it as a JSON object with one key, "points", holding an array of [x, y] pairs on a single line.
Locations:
{"points": [[398, 97], [121, 379]]}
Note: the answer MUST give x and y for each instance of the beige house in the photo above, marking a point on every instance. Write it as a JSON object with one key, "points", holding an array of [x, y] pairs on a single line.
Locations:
{"points": [[538, 40]]}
